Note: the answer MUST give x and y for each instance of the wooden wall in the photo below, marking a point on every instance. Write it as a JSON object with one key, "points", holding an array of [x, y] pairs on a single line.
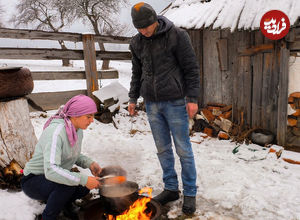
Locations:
{"points": [[247, 70]]}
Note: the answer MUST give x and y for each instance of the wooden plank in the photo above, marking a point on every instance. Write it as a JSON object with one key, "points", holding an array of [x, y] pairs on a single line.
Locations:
{"points": [[65, 36], [212, 81], [283, 96], [58, 54], [113, 55], [226, 91], [257, 63], [90, 63], [40, 54], [70, 75], [197, 42], [256, 49], [242, 80], [53, 100], [222, 54], [267, 91]]}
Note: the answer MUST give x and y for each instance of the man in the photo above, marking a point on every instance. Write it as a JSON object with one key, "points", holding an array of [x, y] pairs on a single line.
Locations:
{"points": [[166, 74]]}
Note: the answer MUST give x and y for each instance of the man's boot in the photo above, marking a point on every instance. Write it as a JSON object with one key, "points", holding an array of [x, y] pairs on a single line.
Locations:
{"points": [[167, 196], [189, 205]]}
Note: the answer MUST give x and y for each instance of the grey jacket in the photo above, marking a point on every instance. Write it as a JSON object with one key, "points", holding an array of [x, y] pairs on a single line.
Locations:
{"points": [[164, 66]]}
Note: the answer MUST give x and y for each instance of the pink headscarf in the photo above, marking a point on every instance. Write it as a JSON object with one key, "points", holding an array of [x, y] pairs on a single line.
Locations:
{"points": [[77, 106]]}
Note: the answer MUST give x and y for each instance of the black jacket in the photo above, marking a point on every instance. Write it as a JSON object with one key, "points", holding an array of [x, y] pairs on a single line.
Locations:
{"points": [[164, 66]]}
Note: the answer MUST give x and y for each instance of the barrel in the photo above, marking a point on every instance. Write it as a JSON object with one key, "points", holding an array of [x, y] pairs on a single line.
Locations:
{"points": [[15, 82]]}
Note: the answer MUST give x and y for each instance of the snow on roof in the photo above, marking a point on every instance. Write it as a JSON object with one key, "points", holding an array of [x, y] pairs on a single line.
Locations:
{"points": [[240, 14]]}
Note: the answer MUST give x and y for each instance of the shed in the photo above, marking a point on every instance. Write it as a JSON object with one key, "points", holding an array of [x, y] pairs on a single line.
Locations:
{"points": [[238, 65]]}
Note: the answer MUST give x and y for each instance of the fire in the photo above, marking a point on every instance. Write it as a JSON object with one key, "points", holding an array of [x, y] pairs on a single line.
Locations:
{"points": [[137, 210]]}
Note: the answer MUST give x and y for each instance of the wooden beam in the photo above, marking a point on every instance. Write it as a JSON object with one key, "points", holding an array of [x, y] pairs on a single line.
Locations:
{"points": [[222, 54], [70, 75], [53, 100], [283, 96], [112, 55], [58, 54], [40, 54], [256, 49], [90, 63], [65, 36]]}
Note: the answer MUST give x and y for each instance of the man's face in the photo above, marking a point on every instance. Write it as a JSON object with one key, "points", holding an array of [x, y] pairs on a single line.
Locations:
{"points": [[148, 31]]}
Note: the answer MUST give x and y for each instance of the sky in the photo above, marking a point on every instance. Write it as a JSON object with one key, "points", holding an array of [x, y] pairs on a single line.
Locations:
{"points": [[158, 5], [250, 184], [9, 8]]}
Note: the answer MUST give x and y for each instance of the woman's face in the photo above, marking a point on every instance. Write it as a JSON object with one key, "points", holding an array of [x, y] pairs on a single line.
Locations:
{"points": [[83, 121]]}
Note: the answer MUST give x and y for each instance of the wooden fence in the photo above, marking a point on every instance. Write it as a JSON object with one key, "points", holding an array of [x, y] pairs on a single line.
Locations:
{"points": [[52, 100]]}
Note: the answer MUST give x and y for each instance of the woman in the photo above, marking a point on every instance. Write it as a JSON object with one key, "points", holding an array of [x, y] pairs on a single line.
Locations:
{"points": [[48, 175]]}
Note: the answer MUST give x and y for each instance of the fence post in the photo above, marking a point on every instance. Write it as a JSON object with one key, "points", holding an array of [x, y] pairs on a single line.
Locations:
{"points": [[91, 73]]}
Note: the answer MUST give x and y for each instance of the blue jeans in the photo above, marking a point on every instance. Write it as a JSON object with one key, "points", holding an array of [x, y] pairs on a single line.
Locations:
{"points": [[166, 118], [57, 195]]}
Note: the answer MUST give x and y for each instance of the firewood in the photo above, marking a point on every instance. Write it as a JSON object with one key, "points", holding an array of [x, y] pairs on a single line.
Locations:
{"points": [[8, 174], [223, 135], [208, 131], [295, 95], [297, 113], [226, 115], [290, 99], [207, 115], [216, 104], [292, 122], [15, 168], [226, 108]]}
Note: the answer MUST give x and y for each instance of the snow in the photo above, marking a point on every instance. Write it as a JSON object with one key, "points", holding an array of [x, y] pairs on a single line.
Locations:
{"points": [[232, 14], [250, 184]]}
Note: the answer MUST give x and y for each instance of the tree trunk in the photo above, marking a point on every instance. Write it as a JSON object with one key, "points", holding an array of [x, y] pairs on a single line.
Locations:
{"points": [[65, 62], [105, 64], [17, 137]]}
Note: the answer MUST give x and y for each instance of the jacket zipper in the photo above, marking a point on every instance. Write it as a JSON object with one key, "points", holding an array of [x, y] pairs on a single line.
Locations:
{"points": [[154, 79]]}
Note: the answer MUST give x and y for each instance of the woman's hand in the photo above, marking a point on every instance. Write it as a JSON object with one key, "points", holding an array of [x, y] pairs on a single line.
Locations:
{"points": [[93, 182], [95, 169]]}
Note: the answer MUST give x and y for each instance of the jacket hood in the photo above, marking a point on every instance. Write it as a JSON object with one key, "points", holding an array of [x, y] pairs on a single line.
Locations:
{"points": [[164, 25]]}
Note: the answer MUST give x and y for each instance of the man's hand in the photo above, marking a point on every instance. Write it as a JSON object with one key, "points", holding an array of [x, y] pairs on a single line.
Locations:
{"points": [[95, 169], [191, 109], [131, 108], [93, 182]]}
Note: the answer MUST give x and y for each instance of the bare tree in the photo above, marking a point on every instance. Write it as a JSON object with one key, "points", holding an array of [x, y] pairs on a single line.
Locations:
{"points": [[1, 14], [101, 15], [45, 15]]}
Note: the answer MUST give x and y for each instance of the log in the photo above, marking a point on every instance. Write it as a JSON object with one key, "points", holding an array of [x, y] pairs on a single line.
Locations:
{"points": [[17, 139]]}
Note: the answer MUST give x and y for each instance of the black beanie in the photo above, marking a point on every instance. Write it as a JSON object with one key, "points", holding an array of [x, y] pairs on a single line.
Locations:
{"points": [[143, 15]]}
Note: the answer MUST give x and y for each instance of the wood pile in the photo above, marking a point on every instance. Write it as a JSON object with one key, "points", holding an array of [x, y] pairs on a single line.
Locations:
{"points": [[293, 133], [214, 120]]}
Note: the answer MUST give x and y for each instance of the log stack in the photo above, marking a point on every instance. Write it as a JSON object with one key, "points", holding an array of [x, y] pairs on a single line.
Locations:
{"points": [[17, 139], [214, 120], [293, 133]]}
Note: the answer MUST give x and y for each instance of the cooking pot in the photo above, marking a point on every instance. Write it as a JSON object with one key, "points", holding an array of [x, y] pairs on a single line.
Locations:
{"points": [[119, 197]]}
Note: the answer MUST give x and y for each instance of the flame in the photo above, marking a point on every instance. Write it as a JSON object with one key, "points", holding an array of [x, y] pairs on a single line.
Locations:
{"points": [[137, 210]]}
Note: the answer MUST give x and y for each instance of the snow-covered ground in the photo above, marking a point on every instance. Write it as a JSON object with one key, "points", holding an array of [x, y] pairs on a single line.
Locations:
{"points": [[250, 184]]}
